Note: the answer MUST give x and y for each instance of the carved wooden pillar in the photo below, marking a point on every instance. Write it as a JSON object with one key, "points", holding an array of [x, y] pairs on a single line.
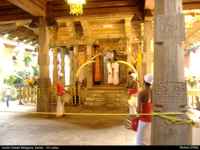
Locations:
{"points": [[169, 89], [129, 47], [137, 46], [128, 32], [43, 103], [148, 45]]}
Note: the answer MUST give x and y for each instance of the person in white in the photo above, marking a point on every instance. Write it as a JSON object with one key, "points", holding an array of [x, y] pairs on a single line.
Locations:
{"points": [[143, 135], [115, 67], [8, 95], [110, 72], [133, 98]]}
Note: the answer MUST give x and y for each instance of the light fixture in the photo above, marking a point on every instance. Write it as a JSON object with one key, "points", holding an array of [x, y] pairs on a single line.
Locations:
{"points": [[76, 6]]}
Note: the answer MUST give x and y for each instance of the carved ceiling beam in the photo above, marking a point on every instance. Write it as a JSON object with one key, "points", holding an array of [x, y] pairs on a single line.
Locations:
{"points": [[33, 7]]}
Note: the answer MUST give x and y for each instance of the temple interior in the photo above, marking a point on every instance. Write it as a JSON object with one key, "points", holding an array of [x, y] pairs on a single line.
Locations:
{"points": [[93, 45]]}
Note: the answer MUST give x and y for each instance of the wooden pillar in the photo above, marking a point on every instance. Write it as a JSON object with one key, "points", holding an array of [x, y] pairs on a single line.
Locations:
{"points": [[73, 72], [75, 61], [71, 53], [89, 72], [169, 89], [63, 64], [148, 45], [55, 73], [43, 103]]}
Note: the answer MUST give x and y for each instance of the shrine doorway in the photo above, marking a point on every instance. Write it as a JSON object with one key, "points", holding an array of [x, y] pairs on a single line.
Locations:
{"points": [[100, 69]]}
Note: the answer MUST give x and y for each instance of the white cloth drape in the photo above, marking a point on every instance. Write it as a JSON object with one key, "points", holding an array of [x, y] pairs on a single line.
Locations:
{"points": [[143, 135], [110, 73], [115, 67], [60, 107]]}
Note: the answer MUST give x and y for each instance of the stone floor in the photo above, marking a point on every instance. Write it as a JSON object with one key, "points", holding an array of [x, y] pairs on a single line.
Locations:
{"points": [[23, 129], [20, 127], [14, 106]]}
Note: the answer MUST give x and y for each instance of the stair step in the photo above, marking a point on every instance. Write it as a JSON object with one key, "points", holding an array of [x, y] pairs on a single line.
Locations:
{"points": [[96, 99], [107, 88], [106, 96]]}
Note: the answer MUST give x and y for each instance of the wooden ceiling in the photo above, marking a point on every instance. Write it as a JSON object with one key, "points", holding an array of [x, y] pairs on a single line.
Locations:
{"points": [[187, 4], [191, 4], [26, 9], [11, 10], [58, 8], [101, 17]]}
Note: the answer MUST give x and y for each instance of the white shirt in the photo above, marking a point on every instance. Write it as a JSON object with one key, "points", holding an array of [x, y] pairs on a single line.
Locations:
{"points": [[8, 92]]}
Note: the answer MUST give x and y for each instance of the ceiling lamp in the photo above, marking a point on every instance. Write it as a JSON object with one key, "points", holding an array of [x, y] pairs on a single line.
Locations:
{"points": [[76, 6]]}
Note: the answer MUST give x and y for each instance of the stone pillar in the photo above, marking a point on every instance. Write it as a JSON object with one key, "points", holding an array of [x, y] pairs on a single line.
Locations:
{"points": [[89, 72], [148, 45], [43, 102], [169, 89]]}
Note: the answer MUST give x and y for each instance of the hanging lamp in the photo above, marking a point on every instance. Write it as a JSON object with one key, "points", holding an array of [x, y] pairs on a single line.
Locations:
{"points": [[76, 6]]}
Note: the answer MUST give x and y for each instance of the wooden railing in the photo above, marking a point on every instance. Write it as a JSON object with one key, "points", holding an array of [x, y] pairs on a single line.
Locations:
{"points": [[27, 94]]}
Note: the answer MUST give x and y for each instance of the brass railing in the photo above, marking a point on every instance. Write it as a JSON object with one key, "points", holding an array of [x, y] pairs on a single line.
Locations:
{"points": [[194, 98], [27, 94]]}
